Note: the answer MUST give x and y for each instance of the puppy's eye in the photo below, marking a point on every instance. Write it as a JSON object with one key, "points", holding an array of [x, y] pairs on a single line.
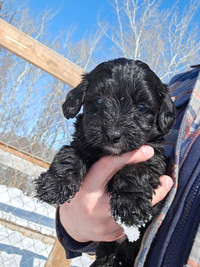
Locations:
{"points": [[99, 101], [141, 107]]}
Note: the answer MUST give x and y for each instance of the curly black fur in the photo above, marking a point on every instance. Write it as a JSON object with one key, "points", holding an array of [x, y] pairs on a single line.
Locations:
{"points": [[125, 105]]}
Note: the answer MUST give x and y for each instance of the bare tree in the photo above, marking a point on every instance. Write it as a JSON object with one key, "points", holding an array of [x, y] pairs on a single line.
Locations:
{"points": [[167, 40], [6, 10], [30, 99]]}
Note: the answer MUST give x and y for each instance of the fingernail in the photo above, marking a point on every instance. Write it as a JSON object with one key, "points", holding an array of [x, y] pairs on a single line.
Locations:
{"points": [[169, 183], [148, 150]]}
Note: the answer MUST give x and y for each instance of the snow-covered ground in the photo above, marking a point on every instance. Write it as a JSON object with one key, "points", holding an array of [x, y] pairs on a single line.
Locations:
{"points": [[83, 261], [17, 249]]}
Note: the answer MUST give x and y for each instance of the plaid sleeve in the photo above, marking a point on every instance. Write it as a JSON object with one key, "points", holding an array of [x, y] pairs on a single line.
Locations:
{"points": [[185, 92]]}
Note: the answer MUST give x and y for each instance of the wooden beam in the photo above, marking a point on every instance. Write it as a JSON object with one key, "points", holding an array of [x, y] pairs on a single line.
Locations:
{"points": [[28, 232], [24, 155], [57, 257], [21, 165], [38, 54]]}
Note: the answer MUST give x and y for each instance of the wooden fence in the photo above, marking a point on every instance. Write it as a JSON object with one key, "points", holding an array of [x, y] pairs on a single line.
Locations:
{"points": [[38, 54], [48, 60]]}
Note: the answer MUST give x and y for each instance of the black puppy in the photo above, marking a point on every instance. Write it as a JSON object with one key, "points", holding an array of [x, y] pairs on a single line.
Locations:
{"points": [[125, 105]]}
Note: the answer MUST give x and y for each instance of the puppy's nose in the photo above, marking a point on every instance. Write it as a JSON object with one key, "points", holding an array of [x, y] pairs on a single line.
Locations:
{"points": [[113, 135]]}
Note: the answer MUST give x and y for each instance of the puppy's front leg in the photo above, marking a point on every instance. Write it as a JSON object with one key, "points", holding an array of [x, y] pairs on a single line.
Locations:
{"points": [[63, 179], [131, 192]]}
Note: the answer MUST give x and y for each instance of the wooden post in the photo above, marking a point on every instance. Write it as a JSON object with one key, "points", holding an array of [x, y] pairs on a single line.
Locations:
{"points": [[38, 54], [24, 155], [57, 257], [28, 232]]}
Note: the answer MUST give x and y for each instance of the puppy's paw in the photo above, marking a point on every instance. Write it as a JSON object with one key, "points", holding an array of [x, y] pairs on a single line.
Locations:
{"points": [[63, 179], [53, 189], [130, 208]]}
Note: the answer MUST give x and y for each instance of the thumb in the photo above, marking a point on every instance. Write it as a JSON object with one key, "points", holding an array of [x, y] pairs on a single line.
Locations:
{"points": [[161, 192], [104, 169]]}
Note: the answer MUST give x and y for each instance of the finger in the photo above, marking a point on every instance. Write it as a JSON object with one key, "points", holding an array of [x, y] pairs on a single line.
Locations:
{"points": [[104, 169], [163, 189]]}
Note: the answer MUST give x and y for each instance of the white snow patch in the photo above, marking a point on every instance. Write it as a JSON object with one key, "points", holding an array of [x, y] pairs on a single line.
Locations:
{"points": [[83, 261], [20, 164], [16, 249], [16, 198], [31, 225]]}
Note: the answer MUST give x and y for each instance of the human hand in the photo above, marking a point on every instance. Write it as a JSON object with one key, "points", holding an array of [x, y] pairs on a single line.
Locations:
{"points": [[87, 217]]}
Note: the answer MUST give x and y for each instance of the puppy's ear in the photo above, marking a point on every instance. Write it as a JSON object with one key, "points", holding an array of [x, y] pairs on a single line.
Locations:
{"points": [[166, 115], [74, 100]]}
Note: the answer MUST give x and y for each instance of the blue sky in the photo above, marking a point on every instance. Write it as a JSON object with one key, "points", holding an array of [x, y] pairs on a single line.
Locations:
{"points": [[72, 13], [82, 13]]}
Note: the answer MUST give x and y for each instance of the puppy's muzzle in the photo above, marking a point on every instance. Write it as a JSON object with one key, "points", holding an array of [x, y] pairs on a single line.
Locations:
{"points": [[113, 136]]}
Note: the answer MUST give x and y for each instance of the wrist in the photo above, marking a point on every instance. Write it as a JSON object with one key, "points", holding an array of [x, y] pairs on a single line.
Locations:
{"points": [[70, 224]]}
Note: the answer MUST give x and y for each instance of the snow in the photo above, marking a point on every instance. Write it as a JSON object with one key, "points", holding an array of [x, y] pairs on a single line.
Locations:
{"points": [[16, 198], [83, 261], [17, 250], [20, 164], [26, 211]]}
